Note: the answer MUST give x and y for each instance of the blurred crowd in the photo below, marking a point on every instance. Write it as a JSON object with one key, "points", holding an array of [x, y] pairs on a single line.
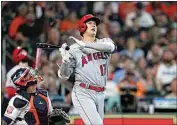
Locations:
{"points": [[145, 34]]}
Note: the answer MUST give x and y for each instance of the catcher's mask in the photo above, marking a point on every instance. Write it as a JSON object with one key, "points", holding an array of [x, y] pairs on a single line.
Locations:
{"points": [[84, 19], [24, 77]]}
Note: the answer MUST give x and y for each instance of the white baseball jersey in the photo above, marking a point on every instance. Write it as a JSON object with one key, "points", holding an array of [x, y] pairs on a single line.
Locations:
{"points": [[90, 66]]}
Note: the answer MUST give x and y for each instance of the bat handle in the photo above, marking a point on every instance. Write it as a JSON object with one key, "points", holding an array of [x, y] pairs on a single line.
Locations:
{"points": [[38, 53]]}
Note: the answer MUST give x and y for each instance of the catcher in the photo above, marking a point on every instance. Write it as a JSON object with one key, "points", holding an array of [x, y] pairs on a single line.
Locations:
{"points": [[31, 106]]}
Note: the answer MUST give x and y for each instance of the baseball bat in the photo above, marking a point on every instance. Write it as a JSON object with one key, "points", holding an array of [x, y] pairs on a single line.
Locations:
{"points": [[38, 54], [49, 46]]}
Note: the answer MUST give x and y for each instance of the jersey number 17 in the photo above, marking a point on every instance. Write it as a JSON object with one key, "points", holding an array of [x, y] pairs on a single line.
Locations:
{"points": [[103, 69]]}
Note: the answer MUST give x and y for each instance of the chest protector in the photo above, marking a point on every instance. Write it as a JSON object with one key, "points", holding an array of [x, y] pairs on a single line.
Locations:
{"points": [[38, 113]]}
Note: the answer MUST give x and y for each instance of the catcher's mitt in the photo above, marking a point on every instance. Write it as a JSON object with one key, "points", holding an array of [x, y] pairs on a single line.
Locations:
{"points": [[58, 115]]}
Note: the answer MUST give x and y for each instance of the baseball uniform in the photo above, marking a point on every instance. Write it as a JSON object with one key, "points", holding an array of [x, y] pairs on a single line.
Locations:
{"points": [[90, 67]]}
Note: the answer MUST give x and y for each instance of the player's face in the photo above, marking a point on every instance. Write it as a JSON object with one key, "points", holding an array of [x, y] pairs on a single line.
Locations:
{"points": [[91, 28]]}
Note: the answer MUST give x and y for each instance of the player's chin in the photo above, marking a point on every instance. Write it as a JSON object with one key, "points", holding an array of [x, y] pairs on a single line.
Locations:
{"points": [[93, 33]]}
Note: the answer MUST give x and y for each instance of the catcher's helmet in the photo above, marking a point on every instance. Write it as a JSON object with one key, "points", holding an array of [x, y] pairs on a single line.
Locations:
{"points": [[84, 19], [19, 54], [24, 77]]}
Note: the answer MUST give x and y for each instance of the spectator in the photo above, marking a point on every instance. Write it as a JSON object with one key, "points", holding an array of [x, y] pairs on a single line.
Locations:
{"points": [[114, 62], [166, 71], [124, 65], [75, 5], [160, 28], [52, 82], [110, 14], [143, 37], [83, 10], [154, 54], [55, 59], [53, 33], [120, 41], [149, 79], [98, 7], [173, 47], [18, 20], [70, 23], [102, 30], [46, 73], [130, 7], [172, 33], [132, 51], [169, 8], [28, 31], [143, 18], [61, 10], [130, 81], [163, 40], [141, 65], [173, 87], [7, 15], [114, 29], [144, 41]]}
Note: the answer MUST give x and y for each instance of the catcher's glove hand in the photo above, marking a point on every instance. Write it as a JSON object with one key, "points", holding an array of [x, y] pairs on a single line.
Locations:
{"points": [[58, 115]]}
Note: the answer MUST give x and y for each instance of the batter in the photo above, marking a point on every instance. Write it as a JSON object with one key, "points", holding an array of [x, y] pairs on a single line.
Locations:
{"points": [[88, 60]]}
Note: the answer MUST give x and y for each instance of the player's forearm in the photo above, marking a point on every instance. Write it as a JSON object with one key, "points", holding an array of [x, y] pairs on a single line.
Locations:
{"points": [[64, 72], [105, 47]]}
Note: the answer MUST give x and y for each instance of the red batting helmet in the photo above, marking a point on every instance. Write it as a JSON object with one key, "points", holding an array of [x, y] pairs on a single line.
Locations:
{"points": [[84, 19], [24, 77], [19, 54]]}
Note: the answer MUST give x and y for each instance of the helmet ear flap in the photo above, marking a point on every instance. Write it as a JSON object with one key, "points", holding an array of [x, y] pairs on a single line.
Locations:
{"points": [[82, 27]]}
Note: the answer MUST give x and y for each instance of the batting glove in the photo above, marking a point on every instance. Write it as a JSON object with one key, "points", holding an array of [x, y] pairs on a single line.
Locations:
{"points": [[64, 53], [80, 43]]}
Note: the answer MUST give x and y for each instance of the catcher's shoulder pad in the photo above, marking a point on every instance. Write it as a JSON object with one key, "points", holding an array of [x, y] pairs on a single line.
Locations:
{"points": [[43, 92], [20, 103]]}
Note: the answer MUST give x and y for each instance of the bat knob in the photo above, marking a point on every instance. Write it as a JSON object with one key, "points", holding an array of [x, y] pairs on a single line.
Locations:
{"points": [[67, 48]]}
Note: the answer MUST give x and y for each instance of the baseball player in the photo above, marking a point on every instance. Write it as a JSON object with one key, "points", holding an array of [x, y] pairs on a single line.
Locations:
{"points": [[88, 59], [30, 106], [20, 58]]}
